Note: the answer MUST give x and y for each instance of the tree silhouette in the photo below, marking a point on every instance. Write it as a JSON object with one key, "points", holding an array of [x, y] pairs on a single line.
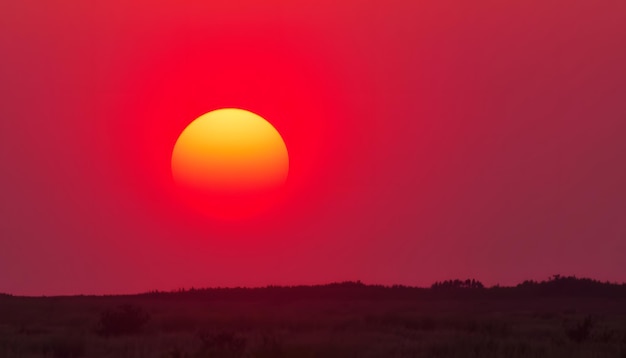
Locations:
{"points": [[457, 284]]}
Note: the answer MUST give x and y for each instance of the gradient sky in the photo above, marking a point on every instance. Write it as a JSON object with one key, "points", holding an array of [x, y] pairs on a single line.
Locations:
{"points": [[428, 140]]}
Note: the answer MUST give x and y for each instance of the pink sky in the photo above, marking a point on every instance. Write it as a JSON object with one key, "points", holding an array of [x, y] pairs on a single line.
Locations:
{"points": [[429, 140]]}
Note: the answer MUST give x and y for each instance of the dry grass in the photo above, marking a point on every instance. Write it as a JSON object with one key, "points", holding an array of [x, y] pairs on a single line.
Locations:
{"points": [[67, 327]]}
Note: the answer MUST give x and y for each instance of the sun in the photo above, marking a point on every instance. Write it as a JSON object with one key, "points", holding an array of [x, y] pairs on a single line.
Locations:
{"points": [[230, 162]]}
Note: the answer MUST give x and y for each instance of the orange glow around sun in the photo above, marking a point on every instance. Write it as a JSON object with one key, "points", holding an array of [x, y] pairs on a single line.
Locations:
{"points": [[228, 161]]}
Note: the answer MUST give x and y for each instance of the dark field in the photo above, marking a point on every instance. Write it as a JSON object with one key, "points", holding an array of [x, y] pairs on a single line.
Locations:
{"points": [[559, 318]]}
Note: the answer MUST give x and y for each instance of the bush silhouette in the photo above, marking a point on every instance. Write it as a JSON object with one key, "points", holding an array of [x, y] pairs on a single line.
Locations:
{"points": [[581, 331], [270, 347], [125, 319], [222, 344]]}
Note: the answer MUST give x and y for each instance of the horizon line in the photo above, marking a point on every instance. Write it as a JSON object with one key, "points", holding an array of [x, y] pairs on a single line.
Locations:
{"points": [[552, 278]]}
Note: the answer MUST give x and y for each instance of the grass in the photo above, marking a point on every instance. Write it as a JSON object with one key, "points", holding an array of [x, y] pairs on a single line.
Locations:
{"points": [[198, 326]]}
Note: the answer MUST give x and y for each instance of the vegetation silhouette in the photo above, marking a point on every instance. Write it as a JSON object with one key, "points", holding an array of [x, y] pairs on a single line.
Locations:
{"points": [[556, 285], [581, 331], [457, 284], [123, 320], [563, 316], [221, 344]]}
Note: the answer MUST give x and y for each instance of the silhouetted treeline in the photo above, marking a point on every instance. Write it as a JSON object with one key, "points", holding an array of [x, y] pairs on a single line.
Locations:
{"points": [[457, 284], [355, 290], [571, 285]]}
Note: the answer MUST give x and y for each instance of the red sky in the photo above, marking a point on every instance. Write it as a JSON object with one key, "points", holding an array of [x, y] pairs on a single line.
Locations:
{"points": [[428, 140]]}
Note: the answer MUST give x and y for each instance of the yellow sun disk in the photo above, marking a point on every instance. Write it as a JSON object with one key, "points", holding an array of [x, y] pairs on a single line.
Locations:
{"points": [[230, 150]]}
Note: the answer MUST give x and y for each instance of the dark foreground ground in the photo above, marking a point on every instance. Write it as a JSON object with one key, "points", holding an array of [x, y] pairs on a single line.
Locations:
{"points": [[339, 320]]}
